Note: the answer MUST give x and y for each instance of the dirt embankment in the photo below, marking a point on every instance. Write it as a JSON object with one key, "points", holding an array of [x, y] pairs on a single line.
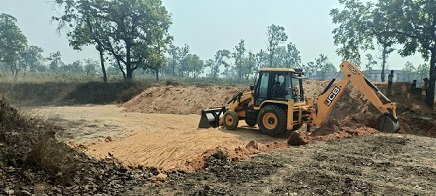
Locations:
{"points": [[181, 99], [378, 164], [148, 131]]}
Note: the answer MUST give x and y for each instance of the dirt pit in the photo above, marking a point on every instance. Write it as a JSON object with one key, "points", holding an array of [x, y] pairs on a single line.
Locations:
{"points": [[164, 141], [158, 128]]}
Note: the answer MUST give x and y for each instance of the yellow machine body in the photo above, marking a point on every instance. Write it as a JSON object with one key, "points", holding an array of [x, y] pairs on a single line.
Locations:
{"points": [[291, 109]]}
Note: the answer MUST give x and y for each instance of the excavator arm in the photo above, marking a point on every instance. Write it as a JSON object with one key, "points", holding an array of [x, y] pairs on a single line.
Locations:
{"points": [[328, 98]]}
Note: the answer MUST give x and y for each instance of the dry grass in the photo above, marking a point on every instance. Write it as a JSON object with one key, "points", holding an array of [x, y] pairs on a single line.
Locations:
{"points": [[55, 158], [30, 143]]}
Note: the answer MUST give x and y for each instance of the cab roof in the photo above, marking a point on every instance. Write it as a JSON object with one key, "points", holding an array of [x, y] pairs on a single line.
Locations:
{"points": [[270, 69]]}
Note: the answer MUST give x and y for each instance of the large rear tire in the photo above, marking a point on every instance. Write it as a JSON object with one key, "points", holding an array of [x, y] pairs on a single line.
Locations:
{"points": [[230, 120], [272, 120]]}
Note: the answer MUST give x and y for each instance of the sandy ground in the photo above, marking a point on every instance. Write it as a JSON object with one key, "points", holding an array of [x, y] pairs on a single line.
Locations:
{"points": [[165, 141], [158, 128]]}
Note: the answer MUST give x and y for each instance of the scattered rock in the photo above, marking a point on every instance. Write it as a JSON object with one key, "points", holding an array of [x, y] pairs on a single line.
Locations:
{"points": [[161, 177], [108, 139], [298, 138], [253, 145]]}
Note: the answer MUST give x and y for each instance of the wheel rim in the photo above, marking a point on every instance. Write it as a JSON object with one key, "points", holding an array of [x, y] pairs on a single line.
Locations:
{"points": [[229, 120], [270, 121]]}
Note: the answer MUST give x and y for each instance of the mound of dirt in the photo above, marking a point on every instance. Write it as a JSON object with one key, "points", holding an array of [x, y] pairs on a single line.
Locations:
{"points": [[414, 115], [192, 99], [181, 99]]}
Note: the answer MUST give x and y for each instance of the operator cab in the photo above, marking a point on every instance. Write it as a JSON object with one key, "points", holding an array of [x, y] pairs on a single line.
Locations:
{"points": [[279, 84]]}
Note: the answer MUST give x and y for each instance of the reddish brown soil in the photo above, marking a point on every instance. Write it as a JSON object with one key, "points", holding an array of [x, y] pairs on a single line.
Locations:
{"points": [[169, 138], [181, 99]]}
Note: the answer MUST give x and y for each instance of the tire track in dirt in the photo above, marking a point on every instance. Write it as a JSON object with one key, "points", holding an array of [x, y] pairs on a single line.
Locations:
{"points": [[144, 134]]}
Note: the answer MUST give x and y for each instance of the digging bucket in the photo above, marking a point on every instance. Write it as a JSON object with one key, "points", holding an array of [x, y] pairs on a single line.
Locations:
{"points": [[389, 124], [211, 117]]}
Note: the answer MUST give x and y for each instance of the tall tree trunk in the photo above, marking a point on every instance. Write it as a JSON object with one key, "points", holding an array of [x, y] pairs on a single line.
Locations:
{"points": [[103, 68], [121, 69], [431, 85], [157, 74], [383, 64], [214, 73], [129, 68], [174, 67], [271, 57]]}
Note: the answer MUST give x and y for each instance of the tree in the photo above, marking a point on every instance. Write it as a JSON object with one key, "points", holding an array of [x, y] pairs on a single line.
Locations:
{"points": [[311, 68], [359, 26], [261, 59], [32, 59], [371, 62], [179, 58], [353, 33], [423, 70], [137, 26], [176, 55], [409, 70], [195, 65], [75, 67], [293, 58], [55, 61], [412, 23], [134, 32], [249, 65], [323, 66], [287, 56], [90, 66], [239, 55], [155, 55], [12, 43], [83, 26], [276, 35], [221, 57]]}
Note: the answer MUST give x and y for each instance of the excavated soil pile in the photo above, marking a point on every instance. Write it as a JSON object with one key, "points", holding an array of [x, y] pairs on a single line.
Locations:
{"points": [[181, 99], [414, 115], [354, 115], [191, 99]]}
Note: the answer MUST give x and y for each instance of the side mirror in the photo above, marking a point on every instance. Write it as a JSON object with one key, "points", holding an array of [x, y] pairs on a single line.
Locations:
{"points": [[251, 87]]}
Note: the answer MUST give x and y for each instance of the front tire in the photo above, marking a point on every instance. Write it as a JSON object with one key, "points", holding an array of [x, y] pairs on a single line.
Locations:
{"points": [[272, 120], [230, 120]]}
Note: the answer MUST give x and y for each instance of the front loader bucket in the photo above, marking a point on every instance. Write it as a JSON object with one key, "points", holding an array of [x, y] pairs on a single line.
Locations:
{"points": [[389, 124], [211, 117]]}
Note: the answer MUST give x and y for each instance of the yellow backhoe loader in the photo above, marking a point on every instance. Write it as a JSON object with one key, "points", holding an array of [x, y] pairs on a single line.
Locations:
{"points": [[277, 102]]}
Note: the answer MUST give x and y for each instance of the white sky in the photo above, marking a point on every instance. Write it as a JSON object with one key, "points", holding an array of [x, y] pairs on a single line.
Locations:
{"points": [[208, 26]]}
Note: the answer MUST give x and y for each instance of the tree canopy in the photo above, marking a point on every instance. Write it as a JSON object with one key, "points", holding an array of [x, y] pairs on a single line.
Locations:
{"points": [[409, 23], [12, 42], [133, 32]]}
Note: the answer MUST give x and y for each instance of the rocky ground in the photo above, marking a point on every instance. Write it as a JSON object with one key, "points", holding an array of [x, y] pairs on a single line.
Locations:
{"points": [[379, 164]]}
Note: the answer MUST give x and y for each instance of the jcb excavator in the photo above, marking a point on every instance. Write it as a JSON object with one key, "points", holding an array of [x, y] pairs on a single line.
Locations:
{"points": [[277, 103]]}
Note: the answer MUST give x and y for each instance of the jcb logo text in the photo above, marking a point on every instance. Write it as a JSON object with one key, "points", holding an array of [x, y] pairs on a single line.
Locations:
{"points": [[332, 96], [352, 69]]}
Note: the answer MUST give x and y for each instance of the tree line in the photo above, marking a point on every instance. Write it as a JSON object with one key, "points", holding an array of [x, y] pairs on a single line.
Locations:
{"points": [[409, 25], [122, 50], [133, 34]]}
